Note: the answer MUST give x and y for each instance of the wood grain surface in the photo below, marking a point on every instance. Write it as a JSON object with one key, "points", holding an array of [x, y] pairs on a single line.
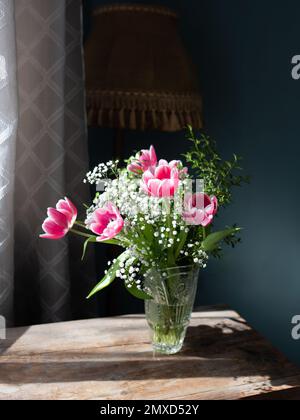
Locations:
{"points": [[111, 358]]}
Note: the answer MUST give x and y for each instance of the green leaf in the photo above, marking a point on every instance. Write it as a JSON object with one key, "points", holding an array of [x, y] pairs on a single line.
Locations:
{"points": [[91, 239], [111, 242], [110, 276], [137, 293], [148, 233], [212, 240]]}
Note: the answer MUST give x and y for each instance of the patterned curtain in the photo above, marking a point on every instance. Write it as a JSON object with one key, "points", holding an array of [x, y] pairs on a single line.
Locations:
{"points": [[50, 282], [8, 126]]}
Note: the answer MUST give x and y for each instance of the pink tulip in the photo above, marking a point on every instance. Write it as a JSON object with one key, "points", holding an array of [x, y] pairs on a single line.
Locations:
{"points": [[60, 220], [174, 164], [161, 181], [146, 160], [106, 222], [199, 209]]}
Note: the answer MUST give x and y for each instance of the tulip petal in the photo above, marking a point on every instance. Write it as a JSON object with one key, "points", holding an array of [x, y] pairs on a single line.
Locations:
{"points": [[163, 162], [163, 172], [188, 200], [207, 220], [153, 157], [73, 208], [215, 203], [175, 163], [63, 205], [58, 217], [135, 168], [53, 237], [210, 210], [147, 176], [51, 228], [153, 187]]}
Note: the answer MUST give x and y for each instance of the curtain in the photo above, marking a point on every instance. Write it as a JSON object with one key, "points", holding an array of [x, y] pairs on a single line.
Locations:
{"points": [[49, 282], [8, 126]]}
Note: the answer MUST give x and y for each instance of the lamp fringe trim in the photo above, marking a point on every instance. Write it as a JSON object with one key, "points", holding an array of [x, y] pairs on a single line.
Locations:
{"points": [[161, 10], [144, 110]]}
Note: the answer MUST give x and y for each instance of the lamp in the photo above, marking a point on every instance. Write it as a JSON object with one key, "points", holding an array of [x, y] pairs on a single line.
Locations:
{"points": [[138, 73]]}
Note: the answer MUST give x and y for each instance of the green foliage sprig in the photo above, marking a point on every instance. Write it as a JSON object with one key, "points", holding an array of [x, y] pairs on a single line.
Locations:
{"points": [[218, 175]]}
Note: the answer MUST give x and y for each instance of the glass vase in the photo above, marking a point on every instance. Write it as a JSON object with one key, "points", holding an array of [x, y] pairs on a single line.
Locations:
{"points": [[168, 313]]}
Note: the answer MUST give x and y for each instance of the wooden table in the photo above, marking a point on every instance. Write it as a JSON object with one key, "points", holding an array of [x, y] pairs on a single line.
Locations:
{"points": [[111, 358]]}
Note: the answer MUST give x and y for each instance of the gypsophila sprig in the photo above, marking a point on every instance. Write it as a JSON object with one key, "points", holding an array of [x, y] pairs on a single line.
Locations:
{"points": [[102, 171]]}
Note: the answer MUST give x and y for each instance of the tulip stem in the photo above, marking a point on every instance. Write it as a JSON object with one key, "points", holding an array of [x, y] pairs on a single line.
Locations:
{"points": [[86, 235], [81, 224]]}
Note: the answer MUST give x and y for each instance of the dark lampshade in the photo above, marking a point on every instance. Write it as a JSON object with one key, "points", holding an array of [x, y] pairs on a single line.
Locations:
{"points": [[138, 73]]}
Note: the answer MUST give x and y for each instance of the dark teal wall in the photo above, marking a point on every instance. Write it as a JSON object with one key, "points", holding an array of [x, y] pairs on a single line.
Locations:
{"points": [[243, 50]]}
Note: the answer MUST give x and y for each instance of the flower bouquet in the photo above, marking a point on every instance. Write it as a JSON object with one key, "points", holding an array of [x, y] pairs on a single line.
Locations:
{"points": [[161, 213]]}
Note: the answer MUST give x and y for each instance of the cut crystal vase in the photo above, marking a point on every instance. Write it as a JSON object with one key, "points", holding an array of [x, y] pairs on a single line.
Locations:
{"points": [[168, 313]]}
